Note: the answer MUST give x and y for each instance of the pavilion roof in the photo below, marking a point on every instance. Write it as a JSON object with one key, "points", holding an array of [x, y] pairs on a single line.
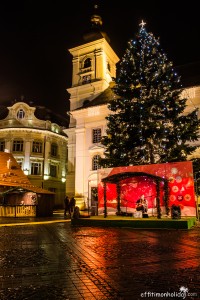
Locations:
{"points": [[115, 178], [11, 175]]}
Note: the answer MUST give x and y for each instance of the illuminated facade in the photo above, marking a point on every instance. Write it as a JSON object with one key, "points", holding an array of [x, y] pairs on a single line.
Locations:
{"points": [[94, 66], [39, 146]]}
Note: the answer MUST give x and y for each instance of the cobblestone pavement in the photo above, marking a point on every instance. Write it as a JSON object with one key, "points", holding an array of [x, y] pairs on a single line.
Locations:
{"points": [[57, 261]]}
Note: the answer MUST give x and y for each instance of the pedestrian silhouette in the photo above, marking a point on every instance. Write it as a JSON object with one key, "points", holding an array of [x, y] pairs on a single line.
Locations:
{"points": [[72, 204], [66, 206]]}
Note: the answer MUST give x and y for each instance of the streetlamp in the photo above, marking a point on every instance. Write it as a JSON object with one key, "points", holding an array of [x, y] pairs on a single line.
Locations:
{"points": [[196, 193], [26, 171], [88, 199]]}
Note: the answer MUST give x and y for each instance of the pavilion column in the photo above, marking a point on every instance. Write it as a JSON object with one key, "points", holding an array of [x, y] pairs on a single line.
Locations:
{"points": [[118, 198], [158, 199], [166, 197], [104, 195]]}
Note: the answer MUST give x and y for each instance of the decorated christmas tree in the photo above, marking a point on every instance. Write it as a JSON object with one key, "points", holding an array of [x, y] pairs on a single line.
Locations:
{"points": [[147, 123]]}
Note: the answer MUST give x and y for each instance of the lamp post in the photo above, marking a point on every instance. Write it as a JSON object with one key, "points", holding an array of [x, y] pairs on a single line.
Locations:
{"points": [[88, 198], [118, 198], [26, 172], [104, 194], [196, 193], [44, 158]]}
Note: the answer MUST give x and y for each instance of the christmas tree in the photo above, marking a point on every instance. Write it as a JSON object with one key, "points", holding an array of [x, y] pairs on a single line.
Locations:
{"points": [[147, 123]]}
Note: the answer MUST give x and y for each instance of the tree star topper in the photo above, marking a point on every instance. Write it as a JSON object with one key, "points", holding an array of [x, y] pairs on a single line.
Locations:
{"points": [[142, 24]]}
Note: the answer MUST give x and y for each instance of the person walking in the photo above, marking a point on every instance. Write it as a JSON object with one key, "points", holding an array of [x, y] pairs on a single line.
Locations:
{"points": [[66, 206], [72, 204]]}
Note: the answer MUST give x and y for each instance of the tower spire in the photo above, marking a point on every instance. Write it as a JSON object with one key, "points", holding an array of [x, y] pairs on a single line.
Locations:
{"points": [[96, 19], [96, 29]]}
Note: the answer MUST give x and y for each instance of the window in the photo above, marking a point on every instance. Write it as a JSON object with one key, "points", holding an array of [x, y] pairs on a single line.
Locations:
{"points": [[51, 189], [2, 145], [108, 66], [53, 171], [20, 114], [95, 162], [96, 135], [87, 63], [54, 149], [36, 168], [18, 145], [37, 147]]}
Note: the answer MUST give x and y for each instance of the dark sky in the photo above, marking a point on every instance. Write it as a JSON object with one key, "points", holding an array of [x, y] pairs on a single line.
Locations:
{"points": [[35, 37]]}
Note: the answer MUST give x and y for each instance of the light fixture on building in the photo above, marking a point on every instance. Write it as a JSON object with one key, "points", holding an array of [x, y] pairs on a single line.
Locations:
{"points": [[63, 179], [46, 177], [26, 171]]}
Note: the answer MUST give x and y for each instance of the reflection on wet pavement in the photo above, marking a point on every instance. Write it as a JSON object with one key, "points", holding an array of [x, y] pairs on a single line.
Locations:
{"points": [[57, 261]]}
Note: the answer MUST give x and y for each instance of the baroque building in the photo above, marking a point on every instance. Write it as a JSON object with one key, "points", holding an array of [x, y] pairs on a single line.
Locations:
{"points": [[94, 65], [38, 144]]}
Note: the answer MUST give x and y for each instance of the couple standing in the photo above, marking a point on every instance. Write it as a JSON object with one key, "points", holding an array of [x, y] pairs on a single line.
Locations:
{"points": [[142, 204], [69, 205]]}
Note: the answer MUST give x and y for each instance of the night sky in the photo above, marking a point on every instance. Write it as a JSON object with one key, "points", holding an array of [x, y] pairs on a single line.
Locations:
{"points": [[35, 37]]}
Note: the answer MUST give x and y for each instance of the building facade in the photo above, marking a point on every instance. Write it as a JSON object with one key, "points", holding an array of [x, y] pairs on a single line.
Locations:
{"points": [[39, 147], [94, 65]]}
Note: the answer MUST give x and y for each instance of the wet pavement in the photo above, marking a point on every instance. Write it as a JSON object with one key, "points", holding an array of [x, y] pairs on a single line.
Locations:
{"points": [[50, 259]]}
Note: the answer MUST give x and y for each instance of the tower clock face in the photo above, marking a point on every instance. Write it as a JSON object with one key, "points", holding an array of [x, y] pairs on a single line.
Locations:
{"points": [[86, 79]]}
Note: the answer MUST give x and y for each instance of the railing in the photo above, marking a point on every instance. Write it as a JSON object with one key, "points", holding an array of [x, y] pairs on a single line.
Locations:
{"points": [[18, 211]]}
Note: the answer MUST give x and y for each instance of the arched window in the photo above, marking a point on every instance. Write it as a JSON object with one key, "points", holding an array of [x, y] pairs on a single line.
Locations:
{"points": [[108, 66], [20, 114], [95, 162], [87, 63]]}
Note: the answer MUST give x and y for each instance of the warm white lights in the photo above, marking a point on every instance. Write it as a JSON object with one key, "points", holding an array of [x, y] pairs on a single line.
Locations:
{"points": [[63, 179]]}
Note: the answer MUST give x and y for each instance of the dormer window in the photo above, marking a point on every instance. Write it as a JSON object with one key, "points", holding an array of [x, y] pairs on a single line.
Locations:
{"points": [[87, 63], [20, 114]]}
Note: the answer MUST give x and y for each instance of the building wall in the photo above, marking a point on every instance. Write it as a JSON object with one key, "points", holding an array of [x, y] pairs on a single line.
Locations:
{"points": [[81, 177], [30, 130]]}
